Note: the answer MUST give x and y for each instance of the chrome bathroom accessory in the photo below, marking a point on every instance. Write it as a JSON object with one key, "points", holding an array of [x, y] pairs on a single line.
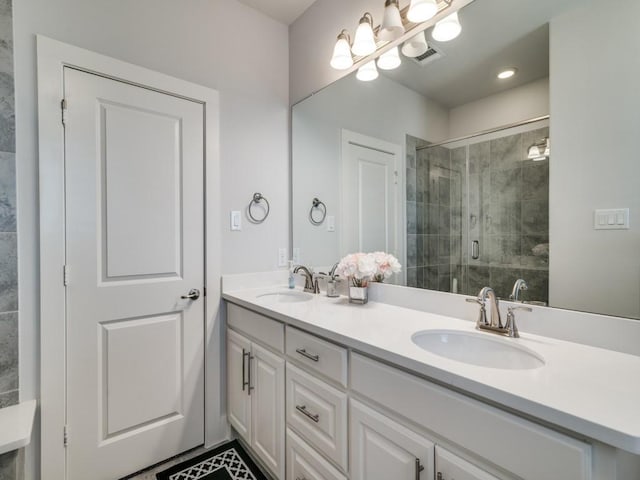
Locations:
{"points": [[255, 201], [512, 329], [310, 281], [519, 286], [317, 204], [332, 281]]}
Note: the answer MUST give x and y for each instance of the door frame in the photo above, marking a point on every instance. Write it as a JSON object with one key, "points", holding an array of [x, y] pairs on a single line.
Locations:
{"points": [[349, 137], [52, 57]]}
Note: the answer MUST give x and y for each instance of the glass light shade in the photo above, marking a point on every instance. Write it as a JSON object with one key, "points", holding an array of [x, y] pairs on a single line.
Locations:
{"points": [[415, 46], [364, 43], [391, 27], [389, 59], [367, 72], [533, 152], [447, 29], [342, 59], [422, 10]]}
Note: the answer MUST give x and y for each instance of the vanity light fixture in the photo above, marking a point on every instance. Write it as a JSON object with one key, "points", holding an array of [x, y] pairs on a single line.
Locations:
{"points": [[389, 59], [392, 27], [447, 29], [539, 150], [422, 10], [507, 73], [364, 42], [415, 46], [342, 59], [367, 72]]}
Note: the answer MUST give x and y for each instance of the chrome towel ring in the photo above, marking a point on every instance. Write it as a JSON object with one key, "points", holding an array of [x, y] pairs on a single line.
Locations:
{"points": [[257, 201], [316, 204]]}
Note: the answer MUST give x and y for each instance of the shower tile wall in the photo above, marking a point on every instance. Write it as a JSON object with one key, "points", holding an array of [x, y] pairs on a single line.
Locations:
{"points": [[8, 237], [434, 212], [506, 212]]}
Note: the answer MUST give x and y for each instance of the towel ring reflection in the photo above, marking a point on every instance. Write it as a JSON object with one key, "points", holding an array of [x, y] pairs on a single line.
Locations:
{"points": [[316, 204], [257, 201]]}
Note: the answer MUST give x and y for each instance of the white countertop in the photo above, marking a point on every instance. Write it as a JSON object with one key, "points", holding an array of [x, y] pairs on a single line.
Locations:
{"points": [[16, 423], [590, 391]]}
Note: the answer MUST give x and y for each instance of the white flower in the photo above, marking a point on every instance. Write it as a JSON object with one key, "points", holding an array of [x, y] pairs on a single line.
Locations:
{"points": [[361, 268]]}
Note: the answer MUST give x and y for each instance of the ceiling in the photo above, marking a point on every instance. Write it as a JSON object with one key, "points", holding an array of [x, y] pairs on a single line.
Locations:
{"points": [[285, 11], [495, 34]]}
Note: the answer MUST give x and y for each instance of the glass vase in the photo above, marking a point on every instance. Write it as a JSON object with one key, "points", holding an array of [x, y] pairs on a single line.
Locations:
{"points": [[359, 295]]}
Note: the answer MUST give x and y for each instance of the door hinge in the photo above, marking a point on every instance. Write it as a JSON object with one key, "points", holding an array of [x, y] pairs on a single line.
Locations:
{"points": [[395, 177], [204, 291], [63, 108], [65, 436], [65, 275]]}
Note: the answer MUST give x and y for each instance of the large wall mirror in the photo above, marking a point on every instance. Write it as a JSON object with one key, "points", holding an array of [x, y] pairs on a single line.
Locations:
{"points": [[472, 180]]}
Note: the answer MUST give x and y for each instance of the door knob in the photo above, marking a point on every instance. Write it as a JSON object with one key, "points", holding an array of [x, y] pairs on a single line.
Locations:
{"points": [[193, 294]]}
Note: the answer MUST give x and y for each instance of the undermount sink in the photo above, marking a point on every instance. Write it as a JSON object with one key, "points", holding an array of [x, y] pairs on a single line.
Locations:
{"points": [[285, 297], [478, 349]]}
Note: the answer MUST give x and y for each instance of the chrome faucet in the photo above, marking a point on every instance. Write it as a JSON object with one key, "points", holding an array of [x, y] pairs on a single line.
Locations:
{"points": [[332, 281], [517, 288], [495, 323], [310, 282]]}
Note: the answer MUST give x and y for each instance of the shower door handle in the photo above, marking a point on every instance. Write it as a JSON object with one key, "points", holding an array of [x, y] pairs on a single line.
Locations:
{"points": [[475, 249]]}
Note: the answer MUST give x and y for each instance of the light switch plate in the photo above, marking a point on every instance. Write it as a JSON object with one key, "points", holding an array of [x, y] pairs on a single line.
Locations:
{"points": [[331, 223], [236, 220], [282, 257], [611, 219]]}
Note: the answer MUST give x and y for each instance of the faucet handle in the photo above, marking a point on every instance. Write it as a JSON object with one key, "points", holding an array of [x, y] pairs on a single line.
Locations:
{"points": [[474, 300], [511, 326]]}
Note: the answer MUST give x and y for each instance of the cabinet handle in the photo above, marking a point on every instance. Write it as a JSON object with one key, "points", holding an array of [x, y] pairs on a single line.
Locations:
{"points": [[249, 387], [475, 249], [244, 368], [419, 468], [303, 409], [308, 355], [301, 478]]}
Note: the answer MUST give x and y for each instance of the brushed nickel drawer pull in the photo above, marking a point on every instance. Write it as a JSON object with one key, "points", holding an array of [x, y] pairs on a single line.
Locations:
{"points": [[303, 409], [301, 478], [308, 355]]}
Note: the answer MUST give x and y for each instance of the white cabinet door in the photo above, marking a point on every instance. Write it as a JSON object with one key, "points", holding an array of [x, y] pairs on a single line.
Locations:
{"points": [[239, 400], [382, 449], [267, 397], [452, 467]]}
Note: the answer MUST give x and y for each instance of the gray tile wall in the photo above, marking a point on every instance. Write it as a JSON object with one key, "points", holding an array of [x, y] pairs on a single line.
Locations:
{"points": [[9, 462], [487, 192]]}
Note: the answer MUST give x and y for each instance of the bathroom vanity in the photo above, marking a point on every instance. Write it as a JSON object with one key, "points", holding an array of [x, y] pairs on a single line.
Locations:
{"points": [[321, 389]]}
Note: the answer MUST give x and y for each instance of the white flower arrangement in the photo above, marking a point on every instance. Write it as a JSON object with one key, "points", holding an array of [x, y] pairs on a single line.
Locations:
{"points": [[362, 268]]}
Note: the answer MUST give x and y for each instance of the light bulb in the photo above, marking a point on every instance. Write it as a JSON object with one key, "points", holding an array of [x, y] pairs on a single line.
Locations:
{"points": [[422, 10], [367, 72], [389, 59], [447, 29], [364, 43], [415, 46], [507, 73], [391, 27], [342, 59]]}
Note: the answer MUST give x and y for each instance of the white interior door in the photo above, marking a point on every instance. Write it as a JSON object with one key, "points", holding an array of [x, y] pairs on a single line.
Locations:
{"points": [[135, 245], [369, 195]]}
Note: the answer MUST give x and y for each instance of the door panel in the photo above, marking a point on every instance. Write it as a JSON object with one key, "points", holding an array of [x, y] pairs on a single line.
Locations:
{"points": [[135, 231], [139, 144], [369, 188]]}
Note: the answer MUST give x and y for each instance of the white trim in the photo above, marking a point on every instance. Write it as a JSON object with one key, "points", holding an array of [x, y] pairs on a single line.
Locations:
{"points": [[352, 138], [53, 56]]}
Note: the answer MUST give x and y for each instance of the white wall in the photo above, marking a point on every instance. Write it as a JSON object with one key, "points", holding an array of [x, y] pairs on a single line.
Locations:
{"points": [[200, 41], [382, 109], [511, 106], [595, 122]]}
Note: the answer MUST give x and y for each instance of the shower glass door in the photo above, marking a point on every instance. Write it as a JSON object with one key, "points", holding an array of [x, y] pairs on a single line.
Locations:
{"points": [[478, 213]]}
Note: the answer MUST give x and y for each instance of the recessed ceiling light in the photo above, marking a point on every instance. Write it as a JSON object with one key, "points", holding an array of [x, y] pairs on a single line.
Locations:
{"points": [[507, 73]]}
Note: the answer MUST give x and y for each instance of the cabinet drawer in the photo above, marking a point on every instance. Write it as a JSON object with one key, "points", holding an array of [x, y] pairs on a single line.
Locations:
{"points": [[474, 425], [450, 466], [324, 357], [304, 462], [318, 412], [263, 329]]}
